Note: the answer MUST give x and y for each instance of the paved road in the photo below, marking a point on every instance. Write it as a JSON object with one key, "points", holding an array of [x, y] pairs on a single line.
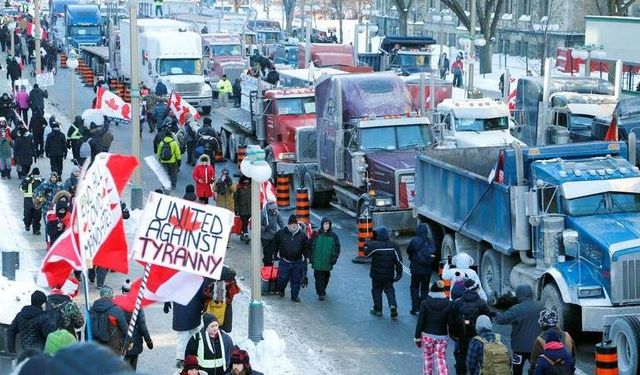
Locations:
{"points": [[335, 336]]}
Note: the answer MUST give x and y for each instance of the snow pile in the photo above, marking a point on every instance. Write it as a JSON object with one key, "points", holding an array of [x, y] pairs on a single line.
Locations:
{"points": [[13, 296], [269, 355], [131, 224]]}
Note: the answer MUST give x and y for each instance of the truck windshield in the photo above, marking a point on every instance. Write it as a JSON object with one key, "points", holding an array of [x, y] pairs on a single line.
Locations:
{"points": [[268, 36], [481, 124], [226, 50], [84, 30], [394, 137], [414, 60], [174, 67], [581, 121], [296, 106], [606, 203]]}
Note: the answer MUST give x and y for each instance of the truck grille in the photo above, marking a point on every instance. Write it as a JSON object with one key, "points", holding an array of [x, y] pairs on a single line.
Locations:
{"points": [[625, 274], [306, 144], [233, 72], [192, 88]]}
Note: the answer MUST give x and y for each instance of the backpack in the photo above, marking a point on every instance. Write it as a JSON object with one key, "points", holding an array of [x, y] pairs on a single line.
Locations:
{"points": [[495, 357], [85, 150], [426, 253], [100, 326], [165, 151], [557, 367], [56, 314]]}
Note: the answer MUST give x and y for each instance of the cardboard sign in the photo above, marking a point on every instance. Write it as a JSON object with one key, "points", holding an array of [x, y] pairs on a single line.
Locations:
{"points": [[44, 79], [183, 235]]}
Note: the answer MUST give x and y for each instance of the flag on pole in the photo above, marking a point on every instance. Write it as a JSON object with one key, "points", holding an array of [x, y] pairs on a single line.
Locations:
{"points": [[31, 31], [267, 193], [182, 109], [62, 258], [112, 104], [612, 132]]}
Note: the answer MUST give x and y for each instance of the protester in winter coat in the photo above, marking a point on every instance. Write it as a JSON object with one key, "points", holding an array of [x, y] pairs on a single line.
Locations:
{"points": [[36, 127], [6, 107], [13, 71], [432, 329], [212, 346], [36, 99], [170, 161], [6, 149], [555, 355], [474, 359], [117, 329], [63, 311], [22, 103], [57, 222], [186, 320], [23, 151], [71, 182], [271, 223], [548, 321], [55, 148], [190, 138], [32, 323], [224, 90], [140, 332], [75, 136], [464, 313], [420, 271], [293, 245], [44, 193], [203, 175], [224, 189], [325, 250], [31, 215], [457, 68], [190, 193], [223, 290], [161, 88], [242, 204], [190, 367], [523, 318], [386, 269], [58, 340], [241, 364]]}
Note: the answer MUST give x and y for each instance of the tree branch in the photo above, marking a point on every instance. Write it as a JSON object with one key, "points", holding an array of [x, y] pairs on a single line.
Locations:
{"points": [[457, 9]]}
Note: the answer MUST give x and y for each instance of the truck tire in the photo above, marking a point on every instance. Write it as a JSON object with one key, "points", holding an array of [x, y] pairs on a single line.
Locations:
{"points": [[491, 275], [448, 246], [316, 198], [233, 149], [625, 335], [568, 315], [206, 110]]}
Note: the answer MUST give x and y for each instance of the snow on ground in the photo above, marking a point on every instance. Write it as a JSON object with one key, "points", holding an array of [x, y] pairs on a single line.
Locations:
{"points": [[14, 295]]}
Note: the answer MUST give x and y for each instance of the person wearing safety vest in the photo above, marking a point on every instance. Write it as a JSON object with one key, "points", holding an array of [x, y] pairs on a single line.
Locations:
{"points": [[158, 5], [212, 346], [75, 136], [31, 215], [224, 90]]}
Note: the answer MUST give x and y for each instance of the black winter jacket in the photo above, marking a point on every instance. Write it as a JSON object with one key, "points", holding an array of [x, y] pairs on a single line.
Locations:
{"points": [[140, 332], [386, 259], [187, 317], [56, 144], [36, 99], [292, 246], [523, 318], [23, 149], [416, 244], [470, 305], [13, 70], [434, 316], [37, 125], [6, 107], [33, 325]]}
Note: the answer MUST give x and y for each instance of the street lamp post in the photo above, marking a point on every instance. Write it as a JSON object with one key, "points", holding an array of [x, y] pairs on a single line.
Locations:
{"points": [[72, 63], [258, 170], [37, 35], [12, 29], [136, 190]]}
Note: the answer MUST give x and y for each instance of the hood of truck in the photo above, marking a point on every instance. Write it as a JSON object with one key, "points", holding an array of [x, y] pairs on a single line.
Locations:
{"points": [[485, 139], [296, 121], [183, 79], [75, 39], [224, 60], [382, 170]]}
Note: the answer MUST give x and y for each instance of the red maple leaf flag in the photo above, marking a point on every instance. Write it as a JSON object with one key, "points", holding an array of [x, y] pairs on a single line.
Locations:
{"points": [[182, 109], [186, 221], [61, 259], [612, 132], [112, 104]]}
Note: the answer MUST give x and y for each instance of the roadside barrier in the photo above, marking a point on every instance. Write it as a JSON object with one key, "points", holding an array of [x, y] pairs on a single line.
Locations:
{"points": [[282, 191], [302, 205], [606, 359], [365, 231], [63, 60]]}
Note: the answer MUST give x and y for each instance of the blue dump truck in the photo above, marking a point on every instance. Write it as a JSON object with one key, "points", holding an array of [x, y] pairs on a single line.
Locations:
{"points": [[563, 219], [83, 26]]}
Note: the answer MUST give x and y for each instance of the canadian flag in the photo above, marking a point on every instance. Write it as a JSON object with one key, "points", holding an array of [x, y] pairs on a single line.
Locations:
{"points": [[62, 258], [511, 99], [267, 193], [612, 132], [163, 285], [113, 104], [182, 109], [31, 30]]}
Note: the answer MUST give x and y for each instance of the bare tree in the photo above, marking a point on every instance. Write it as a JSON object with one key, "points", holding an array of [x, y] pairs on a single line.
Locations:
{"points": [[614, 7], [488, 13], [338, 7], [289, 8], [403, 7], [547, 20]]}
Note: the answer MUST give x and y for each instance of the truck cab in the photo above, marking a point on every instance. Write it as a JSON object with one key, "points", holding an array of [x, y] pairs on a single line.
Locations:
{"points": [[267, 31], [408, 55], [474, 123], [572, 114], [83, 26], [222, 54]]}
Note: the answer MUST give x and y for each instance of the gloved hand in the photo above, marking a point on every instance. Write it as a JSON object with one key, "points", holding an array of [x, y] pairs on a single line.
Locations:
{"points": [[305, 282], [418, 343], [167, 307], [149, 344]]}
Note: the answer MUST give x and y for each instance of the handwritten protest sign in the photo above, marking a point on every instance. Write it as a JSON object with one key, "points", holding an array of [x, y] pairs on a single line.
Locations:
{"points": [[183, 235], [44, 79]]}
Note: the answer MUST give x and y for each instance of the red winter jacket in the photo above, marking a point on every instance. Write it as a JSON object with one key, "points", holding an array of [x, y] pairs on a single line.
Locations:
{"points": [[203, 176]]}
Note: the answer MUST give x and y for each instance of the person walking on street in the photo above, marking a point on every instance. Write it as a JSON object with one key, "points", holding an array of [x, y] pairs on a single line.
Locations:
{"points": [[32, 324], [55, 148], [213, 347], [23, 151], [271, 223], [108, 322], [464, 313], [170, 157], [386, 269], [432, 329], [158, 6], [443, 65], [140, 332], [421, 253], [22, 103], [224, 189], [224, 90], [63, 311], [242, 204], [555, 359], [523, 318], [457, 68], [36, 99], [13, 71], [75, 135], [31, 215], [36, 126], [325, 250], [548, 322], [6, 149], [485, 344], [161, 88], [204, 175], [45, 192], [292, 243]]}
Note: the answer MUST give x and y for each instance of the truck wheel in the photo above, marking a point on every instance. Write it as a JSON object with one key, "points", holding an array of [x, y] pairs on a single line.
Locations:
{"points": [[568, 315], [491, 275], [308, 183], [625, 334], [233, 149], [448, 246], [206, 110]]}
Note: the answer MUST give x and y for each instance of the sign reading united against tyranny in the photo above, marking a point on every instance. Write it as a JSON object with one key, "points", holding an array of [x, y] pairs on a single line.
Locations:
{"points": [[183, 235]]}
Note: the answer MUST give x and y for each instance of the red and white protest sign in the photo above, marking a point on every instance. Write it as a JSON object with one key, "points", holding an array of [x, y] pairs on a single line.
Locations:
{"points": [[183, 235], [182, 109], [112, 104]]}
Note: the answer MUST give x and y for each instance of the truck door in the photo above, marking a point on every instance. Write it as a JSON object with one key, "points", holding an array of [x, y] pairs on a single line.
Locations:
{"points": [[273, 134]]}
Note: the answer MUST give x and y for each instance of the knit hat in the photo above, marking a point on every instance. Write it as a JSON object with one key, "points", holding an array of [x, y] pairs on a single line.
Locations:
{"points": [[55, 125], [190, 189], [106, 292], [38, 298], [239, 356], [57, 340], [35, 171], [552, 335], [54, 174], [206, 121], [483, 322], [126, 286], [470, 284], [190, 362], [293, 219], [548, 318], [208, 318]]}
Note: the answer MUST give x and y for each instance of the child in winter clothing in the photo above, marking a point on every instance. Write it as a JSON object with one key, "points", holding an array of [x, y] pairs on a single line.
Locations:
{"points": [[190, 193], [475, 355], [548, 321], [432, 329], [554, 355]]}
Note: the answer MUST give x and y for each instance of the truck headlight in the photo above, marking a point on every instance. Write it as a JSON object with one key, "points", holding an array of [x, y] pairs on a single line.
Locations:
{"points": [[381, 202], [590, 291]]}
